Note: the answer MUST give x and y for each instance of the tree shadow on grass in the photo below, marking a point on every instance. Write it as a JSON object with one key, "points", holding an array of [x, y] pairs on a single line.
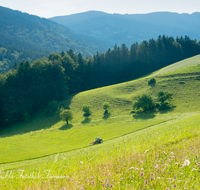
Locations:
{"points": [[144, 116], [66, 127], [38, 121], [151, 115], [167, 110], [106, 116], [86, 120]]}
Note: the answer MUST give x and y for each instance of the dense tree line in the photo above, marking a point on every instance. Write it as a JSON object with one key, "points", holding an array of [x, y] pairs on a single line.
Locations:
{"points": [[29, 87]]}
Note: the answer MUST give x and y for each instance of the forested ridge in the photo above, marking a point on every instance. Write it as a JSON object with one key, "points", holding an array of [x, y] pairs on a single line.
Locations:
{"points": [[29, 87], [21, 33], [9, 55]]}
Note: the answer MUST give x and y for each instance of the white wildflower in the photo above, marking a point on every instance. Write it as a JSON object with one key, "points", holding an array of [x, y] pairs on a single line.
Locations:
{"points": [[186, 163]]}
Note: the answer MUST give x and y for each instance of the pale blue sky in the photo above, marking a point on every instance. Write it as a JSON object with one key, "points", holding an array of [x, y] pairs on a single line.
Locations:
{"points": [[50, 8]]}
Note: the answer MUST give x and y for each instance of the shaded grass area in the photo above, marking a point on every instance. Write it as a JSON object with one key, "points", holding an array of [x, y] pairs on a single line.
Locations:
{"points": [[39, 121]]}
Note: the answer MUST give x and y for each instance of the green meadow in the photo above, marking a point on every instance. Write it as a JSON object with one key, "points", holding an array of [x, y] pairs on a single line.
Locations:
{"points": [[156, 150], [193, 61]]}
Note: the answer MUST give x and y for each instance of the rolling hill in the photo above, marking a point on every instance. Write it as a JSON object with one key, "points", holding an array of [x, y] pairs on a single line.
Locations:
{"points": [[43, 129], [159, 148], [128, 29], [179, 65]]}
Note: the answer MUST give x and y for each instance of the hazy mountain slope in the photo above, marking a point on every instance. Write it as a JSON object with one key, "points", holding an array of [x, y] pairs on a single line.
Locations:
{"points": [[118, 29], [10, 55], [32, 32]]}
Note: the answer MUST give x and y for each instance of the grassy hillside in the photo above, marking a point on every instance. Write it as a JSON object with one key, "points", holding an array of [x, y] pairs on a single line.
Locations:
{"points": [[151, 158], [139, 151], [192, 70], [48, 135], [175, 68]]}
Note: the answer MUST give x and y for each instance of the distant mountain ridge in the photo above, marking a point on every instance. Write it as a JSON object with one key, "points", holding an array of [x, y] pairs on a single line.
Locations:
{"points": [[29, 37], [131, 28], [29, 31]]}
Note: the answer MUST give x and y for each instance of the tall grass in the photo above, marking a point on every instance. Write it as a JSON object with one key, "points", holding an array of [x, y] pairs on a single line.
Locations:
{"points": [[160, 157]]}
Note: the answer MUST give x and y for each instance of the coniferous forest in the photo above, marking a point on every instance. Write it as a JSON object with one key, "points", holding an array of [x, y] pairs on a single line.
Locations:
{"points": [[28, 87]]}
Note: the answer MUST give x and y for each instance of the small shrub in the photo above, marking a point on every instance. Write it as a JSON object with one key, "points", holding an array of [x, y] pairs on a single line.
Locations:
{"points": [[197, 77], [87, 110], [152, 82], [164, 98], [143, 103], [106, 105]]}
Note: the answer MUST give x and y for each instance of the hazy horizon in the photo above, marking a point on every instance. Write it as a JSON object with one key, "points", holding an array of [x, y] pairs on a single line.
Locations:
{"points": [[50, 8]]}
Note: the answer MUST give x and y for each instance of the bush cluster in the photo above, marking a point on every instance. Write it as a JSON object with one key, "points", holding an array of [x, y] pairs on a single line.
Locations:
{"points": [[152, 82], [145, 102]]}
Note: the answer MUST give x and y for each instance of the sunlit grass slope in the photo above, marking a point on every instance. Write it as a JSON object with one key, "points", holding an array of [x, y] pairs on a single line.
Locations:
{"points": [[180, 65], [160, 157], [44, 135], [195, 69]]}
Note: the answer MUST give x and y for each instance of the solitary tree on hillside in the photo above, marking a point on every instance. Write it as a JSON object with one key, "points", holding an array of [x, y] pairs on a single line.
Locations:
{"points": [[152, 82], [144, 103], [106, 105], [87, 111], [164, 98], [66, 115]]}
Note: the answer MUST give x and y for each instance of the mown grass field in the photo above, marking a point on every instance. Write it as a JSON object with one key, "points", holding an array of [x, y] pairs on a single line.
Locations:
{"points": [[195, 69], [155, 144], [149, 159], [179, 65]]}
